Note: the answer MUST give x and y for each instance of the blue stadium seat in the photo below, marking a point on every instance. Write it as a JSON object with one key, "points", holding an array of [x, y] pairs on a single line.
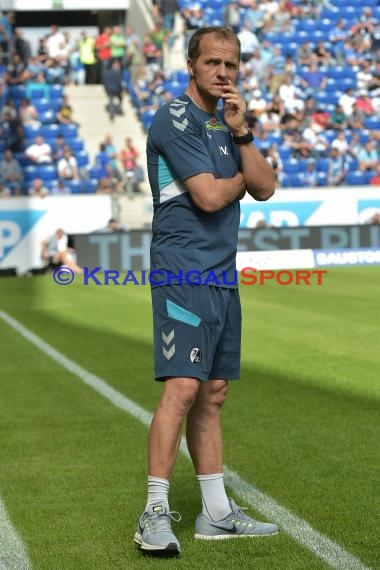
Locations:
{"points": [[76, 144], [82, 158], [356, 178], [68, 131]]}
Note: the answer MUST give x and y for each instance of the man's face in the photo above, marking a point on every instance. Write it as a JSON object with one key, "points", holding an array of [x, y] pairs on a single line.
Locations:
{"points": [[217, 63]]}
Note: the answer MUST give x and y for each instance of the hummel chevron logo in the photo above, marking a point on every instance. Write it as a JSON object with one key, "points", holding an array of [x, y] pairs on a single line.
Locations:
{"points": [[179, 102], [168, 353], [181, 126], [168, 338], [178, 112]]}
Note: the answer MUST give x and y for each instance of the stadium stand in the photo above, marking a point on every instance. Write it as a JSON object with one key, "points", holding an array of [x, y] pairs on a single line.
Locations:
{"points": [[338, 88], [348, 74]]}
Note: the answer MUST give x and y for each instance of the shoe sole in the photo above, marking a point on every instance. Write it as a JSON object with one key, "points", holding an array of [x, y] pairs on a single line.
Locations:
{"points": [[170, 548], [228, 536]]}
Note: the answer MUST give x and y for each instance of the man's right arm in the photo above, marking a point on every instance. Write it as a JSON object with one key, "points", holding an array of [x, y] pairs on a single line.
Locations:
{"points": [[211, 194]]}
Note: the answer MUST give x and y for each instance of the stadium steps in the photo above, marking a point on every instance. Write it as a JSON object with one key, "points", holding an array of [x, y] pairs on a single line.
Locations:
{"points": [[89, 102], [89, 105]]}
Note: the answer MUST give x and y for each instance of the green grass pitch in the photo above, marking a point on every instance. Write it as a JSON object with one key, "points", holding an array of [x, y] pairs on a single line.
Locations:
{"points": [[303, 424]]}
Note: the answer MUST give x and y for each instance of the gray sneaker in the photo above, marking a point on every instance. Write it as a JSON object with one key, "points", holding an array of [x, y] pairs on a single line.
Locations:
{"points": [[154, 532], [235, 525]]}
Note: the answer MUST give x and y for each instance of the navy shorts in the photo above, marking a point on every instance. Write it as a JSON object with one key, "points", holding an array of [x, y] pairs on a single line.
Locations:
{"points": [[197, 332]]}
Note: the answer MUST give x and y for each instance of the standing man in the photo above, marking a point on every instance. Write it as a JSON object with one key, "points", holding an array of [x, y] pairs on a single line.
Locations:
{"points": [[113, 83], [200, 163]]}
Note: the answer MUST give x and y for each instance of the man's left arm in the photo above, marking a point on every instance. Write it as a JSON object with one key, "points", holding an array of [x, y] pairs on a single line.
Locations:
{"points": [[258, 173]]}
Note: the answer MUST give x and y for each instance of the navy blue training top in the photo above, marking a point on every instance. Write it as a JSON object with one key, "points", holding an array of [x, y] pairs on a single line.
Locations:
{"points": [[183, 141]]}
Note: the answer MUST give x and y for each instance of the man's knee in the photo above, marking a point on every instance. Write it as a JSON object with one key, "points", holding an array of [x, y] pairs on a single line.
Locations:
{"points": [[214, 394], [181, 392]]}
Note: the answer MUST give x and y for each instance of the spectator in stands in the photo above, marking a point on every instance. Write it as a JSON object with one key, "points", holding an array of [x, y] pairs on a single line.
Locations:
{"points": [[364, 103], [112, 154], [304, 54], [168, 10], [103, 50], [54, 43], [28, 113], [37, 189], [275, 105], [12, 132], [67, 166], [118, 45], [54, 72], [248, 41], [8, 110], [364, 28], [5, 191], [10, 173], [257, 104], [128, 158], [337, 36], [102, 168], [115, 226], [255, 16], [368, 157], [36, 70], [231, 16], [337, 168], [87, 57], [113, 83], [355, 146], [281, 20], [313, 80], [310, 176], [56, 252], [22, 46], [65, 114], [322, 54], [134, 53], [289, 94], [356, 118], [307, 9], [16, 71], [273, 157], [6, 33], [277, 71], [347, 100], [60, 188], [375, 181], [364, 77], [105, 186], [58, 147], [194, 18], [152, 53], [317, 140], [339, 119], [39, 152], [341, 143]]}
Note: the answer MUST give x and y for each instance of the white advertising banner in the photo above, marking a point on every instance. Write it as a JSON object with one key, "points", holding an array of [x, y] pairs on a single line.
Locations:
{"points": [[26, 222], [44, 5], [292, 208]]}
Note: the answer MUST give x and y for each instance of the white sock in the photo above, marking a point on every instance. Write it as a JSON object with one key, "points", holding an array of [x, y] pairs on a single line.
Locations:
{"points": [[215, 503], [158, 491]]}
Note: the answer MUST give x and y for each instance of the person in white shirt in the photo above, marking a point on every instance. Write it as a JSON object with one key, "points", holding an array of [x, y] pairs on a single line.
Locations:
{"points": [[39, 152], [55, 43], [68, 166], [56, 252]]}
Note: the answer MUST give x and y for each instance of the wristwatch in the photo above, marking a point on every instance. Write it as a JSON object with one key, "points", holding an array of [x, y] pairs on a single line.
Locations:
{"points": [[244, 139]]}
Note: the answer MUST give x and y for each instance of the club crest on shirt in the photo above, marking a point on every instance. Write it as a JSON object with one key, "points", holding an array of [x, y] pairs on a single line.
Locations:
{"points": [[214, 125]]}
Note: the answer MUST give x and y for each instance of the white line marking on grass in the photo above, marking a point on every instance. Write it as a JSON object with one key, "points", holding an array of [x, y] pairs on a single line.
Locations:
{"points": [[324, 548], [13, 555]]}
